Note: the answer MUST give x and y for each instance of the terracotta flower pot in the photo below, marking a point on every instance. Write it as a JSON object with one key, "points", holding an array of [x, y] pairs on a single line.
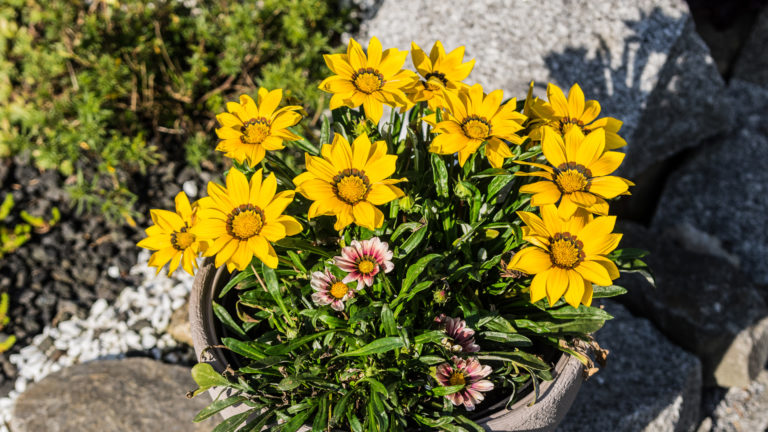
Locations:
{"points": [[555, 397]]}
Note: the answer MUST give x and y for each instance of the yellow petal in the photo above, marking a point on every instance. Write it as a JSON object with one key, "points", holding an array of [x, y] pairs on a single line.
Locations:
{"points": [[594, 272], [269, 103], [374, 52], [290, 224], [553, 147], [157, 242], [575, 288], [273, 231], [364, 215], [606, 164], [539, 286], [341, 153], [557, 284], [361, 148], [373, 109], [381, 194], [237, 187], [267, 192], [557, 100], [608, 186], [531, 260], [278, 204], [575, 101]]}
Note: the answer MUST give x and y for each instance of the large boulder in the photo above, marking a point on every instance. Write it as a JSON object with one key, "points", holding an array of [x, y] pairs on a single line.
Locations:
{"points": [[134, 394], [741, 409], [642, 60], [722, 189], [648, 384], [702, 302]]}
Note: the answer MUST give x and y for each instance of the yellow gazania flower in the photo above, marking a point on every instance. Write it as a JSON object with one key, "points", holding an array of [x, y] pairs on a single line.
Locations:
{"points": [[368, 80], [580, 174], [243, 218], [567, 255], [172, 238], [473, 119], [249, 129], [440, 72], [565, 114], [349, 181]]}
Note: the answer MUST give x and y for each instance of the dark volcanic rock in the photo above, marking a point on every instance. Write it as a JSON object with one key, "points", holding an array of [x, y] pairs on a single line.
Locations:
{"points": [[752, 64], [642, 60], [648, 384], [134, 394], [722, 190], [702, 302]]}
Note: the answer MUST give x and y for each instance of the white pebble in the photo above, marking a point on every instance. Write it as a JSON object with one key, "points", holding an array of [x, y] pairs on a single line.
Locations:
{"points": [[190, 188], [113, 272]]}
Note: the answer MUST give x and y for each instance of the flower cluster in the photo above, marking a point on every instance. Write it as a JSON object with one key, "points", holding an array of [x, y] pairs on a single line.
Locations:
{"points": [[394, 311]]}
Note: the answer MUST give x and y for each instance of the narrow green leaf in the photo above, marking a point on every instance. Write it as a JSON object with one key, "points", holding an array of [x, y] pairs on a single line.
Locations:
{"points": [[231, 424], [413, 240], [270, 280], [224, 316], [376, 347], [440, 175], [607, 291], [388, 321], [512, 338], [245, 349], [341, 406], [297, 421], [285, 348], [429, 336], [443, 391], [217, 406], [376, 385], [303, 245], [415, 270], [402, 228], [236, 279]]}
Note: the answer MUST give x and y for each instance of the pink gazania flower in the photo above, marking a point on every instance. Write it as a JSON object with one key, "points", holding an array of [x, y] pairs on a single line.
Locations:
{"points": [[363, 260], [469, 373], [460, 338], [329, 290]]}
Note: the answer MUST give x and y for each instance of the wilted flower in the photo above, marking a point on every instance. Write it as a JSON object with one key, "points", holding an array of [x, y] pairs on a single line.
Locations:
{"points": [[363, 260], [460, 337], [470, 374], [329, 290]]}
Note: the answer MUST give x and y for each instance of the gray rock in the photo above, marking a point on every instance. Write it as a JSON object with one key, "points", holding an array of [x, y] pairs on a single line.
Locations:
{"points": [[178, 327], [722, 189], [648, 384], [743, 409], [702, 302], [642, 60], [134, 394], [752, 64]]}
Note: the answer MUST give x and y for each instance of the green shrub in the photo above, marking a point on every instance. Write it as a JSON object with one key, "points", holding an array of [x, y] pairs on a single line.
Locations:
{"points": [[101, 90]]}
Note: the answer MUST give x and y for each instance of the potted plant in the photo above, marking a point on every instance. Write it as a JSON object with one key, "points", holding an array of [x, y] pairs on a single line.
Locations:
{"points": [[432, 271]]}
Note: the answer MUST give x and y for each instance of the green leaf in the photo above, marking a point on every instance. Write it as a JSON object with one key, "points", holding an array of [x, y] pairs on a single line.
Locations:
{"points": [[236, 279], [321, 419], [270, 280], [297, 421], [341, 406], [376, 386], [415, 270], [413, 241], [388, 320], [429, 336], [245, 349], [288, 383], [231, 424], [440, 175], [376, 347], [443, 391], [607, 291], [325, 131], [431, 360], [512, 338], [285, 348], [217, 406], [402, 228], [569, 312], [224, 316], [206, 377]]}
